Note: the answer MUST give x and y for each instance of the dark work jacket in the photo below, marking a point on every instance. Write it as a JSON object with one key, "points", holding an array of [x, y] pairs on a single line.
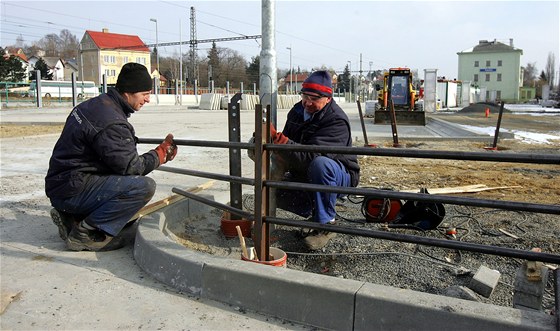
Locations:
{"points": [[97, 140], [327, 127]]}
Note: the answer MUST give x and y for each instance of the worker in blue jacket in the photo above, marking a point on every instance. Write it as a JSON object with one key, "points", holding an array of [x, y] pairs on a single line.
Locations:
{"points": [[315, 120], [96, 179]]}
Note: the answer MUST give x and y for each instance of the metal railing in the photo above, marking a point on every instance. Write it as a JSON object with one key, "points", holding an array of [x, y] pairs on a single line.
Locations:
{"points": [[263, 205]]}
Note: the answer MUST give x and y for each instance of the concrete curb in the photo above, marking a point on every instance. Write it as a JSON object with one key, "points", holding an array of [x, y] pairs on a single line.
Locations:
{"points": [[318, 300]]}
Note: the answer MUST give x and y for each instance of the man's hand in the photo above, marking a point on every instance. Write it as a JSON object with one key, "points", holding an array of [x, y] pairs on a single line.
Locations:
{"points": [[277, 137], [167, 150]]}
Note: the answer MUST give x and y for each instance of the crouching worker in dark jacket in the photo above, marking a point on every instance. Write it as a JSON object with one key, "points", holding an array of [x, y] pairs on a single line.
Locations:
{"points": [[316, 120], [96, 180]]}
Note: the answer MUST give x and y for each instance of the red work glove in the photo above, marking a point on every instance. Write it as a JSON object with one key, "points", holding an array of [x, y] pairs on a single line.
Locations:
{"points": [[167, 150], [277, 137]]}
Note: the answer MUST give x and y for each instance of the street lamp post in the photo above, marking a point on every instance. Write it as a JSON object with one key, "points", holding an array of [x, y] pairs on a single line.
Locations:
{"points": [[157, 61], [291, 84], [350, 69], [157, 44]]}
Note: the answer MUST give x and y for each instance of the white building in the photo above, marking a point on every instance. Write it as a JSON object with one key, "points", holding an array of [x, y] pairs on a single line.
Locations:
{"points": [[494, 70]]}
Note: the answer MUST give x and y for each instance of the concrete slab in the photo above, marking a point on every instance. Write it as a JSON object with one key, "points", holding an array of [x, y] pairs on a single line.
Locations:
{"points": [[385, 308]]}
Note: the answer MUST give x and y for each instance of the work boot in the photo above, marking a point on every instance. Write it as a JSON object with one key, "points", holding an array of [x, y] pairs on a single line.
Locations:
{"points": [[318, 239], [84, 237], [64, 221]]}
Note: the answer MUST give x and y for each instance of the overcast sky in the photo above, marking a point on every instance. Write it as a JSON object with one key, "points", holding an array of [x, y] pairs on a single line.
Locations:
{"points": [[418, 34]]}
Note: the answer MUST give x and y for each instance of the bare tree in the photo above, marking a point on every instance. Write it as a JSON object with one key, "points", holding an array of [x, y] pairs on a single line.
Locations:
{"points": [[50, 44], [68, 44], [233, 67], [549, 70], [530, 74]]}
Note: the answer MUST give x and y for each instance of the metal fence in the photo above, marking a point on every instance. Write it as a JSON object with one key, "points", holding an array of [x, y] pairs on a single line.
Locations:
{"points": [[262, 183]]}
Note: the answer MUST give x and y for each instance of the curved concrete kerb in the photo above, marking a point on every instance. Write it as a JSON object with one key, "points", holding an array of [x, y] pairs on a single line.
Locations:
{"points": [[318, 300]]}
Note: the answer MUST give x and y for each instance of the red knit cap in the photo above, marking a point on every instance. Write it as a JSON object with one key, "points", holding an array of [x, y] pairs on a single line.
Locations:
{"points": [[319, 82]]}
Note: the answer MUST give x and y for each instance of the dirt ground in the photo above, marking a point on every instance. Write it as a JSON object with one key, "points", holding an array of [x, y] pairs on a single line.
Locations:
{"points": [[528, 182]]}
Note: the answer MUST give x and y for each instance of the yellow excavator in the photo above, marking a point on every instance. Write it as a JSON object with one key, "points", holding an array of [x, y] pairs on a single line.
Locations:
{"points": [[398, 94]]}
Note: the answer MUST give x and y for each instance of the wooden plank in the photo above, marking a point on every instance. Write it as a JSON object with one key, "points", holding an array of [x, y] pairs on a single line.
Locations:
{"points": [[462, 189], [148, 209]]}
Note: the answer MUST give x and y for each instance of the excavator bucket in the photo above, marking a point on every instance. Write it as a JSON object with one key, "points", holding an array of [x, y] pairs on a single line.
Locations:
{"points": [[403, 117]]}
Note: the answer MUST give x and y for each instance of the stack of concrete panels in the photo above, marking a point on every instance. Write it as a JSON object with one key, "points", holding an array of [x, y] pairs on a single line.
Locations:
{"points": [[210, 101]]}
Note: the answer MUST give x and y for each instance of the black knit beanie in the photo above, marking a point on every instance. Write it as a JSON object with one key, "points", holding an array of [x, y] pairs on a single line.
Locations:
{"points": [[133, 78]]}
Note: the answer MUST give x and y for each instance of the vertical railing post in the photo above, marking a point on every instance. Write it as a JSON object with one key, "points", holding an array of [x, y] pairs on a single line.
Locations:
{"points": [[234, 126], [74, 90], [261, 239]]}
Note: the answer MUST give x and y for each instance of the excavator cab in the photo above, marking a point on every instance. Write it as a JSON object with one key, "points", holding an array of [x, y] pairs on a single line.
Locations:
{"points": [[398, 93]]}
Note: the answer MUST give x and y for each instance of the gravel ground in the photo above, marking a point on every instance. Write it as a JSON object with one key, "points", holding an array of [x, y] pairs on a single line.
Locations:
{"points": [[424, 268]]}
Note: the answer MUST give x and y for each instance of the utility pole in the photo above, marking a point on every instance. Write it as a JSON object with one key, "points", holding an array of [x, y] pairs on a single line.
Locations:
{"points": [[157, 61], [291, 84], [193, 42], [157, 45], [350, 62]]}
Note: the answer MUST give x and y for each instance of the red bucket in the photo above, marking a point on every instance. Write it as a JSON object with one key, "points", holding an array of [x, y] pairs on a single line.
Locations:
{"points": [[279, 257], [227, 225]]}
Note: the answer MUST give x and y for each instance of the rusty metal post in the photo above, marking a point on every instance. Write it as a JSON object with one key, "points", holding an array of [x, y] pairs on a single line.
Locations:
{"points": [[262, 130], [557, 296], [497, 131], [234, 128], [363, 124], [394, 125]]}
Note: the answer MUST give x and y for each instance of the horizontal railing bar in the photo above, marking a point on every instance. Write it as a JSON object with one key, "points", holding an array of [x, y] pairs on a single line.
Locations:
{"points": [[428, 241], [507, 205], [213, 203], [391, 152], [199, 143], [427, 154], [210, 175]]}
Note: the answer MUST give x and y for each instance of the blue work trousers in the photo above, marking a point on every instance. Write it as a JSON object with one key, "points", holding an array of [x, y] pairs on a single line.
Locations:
{"points": [[109, 202], [322, 171]]}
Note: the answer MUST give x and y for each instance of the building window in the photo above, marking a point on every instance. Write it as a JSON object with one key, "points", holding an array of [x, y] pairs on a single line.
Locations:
{"points": [[125, 59], [499, 95], [475, 77], [110, 72], [499, 78], [487, 63], [141, 60], [109, 59], [487, 77], [476, 64], [499, 63]]}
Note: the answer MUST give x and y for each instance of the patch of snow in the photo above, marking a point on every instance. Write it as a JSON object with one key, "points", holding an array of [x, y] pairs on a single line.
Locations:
{"points": [[528, 137]]}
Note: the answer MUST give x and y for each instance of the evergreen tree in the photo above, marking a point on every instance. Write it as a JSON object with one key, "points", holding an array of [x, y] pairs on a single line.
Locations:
{"points": [[344, 80], [11, 69], [253, 70], [213, 62], [42, 66]]}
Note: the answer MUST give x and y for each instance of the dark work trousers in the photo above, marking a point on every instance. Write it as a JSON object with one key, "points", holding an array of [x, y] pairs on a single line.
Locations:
{"points": [[109, 202], [322, 171]]}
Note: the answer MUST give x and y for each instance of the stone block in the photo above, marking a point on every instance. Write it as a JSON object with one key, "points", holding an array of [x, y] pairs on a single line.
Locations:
{"points": [[529, 293], [485, 281]]}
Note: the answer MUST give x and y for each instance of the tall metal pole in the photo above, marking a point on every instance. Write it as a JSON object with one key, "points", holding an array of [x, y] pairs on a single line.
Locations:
{"points": [[157, 45], [157, 61], [268, 84], [291, 74], [180, 63], [350, 69]]}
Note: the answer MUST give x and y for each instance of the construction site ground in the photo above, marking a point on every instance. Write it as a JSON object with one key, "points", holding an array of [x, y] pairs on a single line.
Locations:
{"points": [[44, 282]]}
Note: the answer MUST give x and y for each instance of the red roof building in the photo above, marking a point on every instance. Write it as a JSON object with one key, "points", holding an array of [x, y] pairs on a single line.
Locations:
{"points": [[104, 53]]}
